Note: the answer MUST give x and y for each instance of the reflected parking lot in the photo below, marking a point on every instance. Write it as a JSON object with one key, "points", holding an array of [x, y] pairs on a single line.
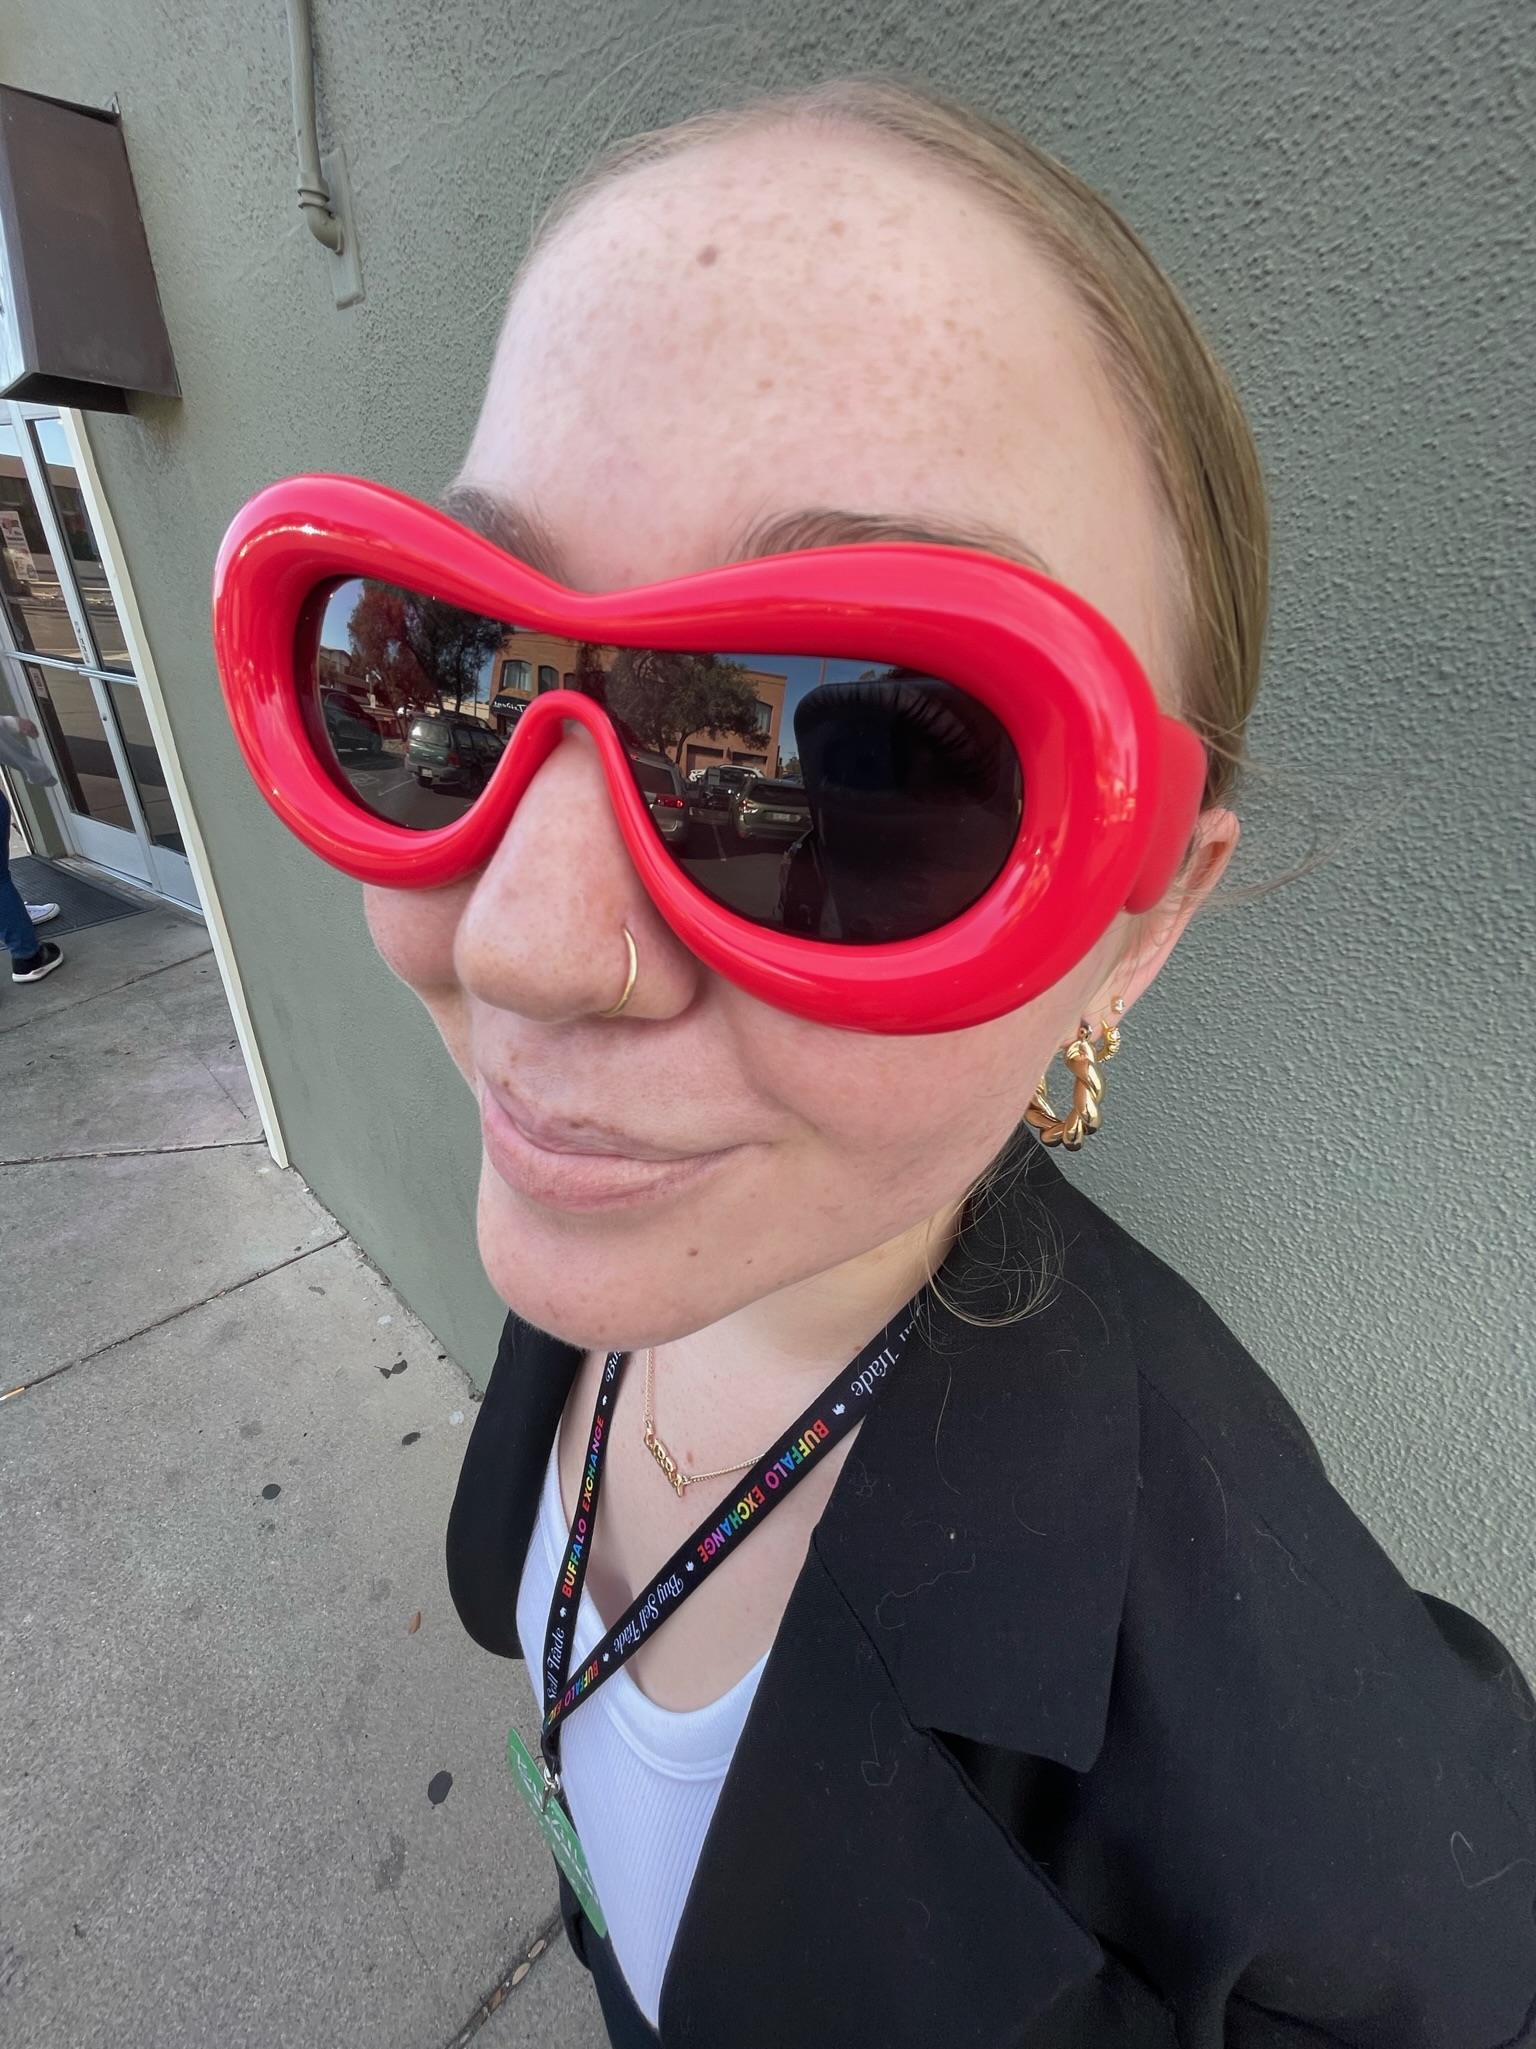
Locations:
{"points": [[745, 878], [387, 786]]}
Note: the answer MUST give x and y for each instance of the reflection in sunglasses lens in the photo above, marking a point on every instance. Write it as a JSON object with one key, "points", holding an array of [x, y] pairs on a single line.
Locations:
{"points": [[831, 798], [916, 794], [401, 697]]}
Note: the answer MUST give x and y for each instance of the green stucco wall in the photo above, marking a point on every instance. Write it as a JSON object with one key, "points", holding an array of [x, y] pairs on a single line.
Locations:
{"points": [[1324, 1114]]}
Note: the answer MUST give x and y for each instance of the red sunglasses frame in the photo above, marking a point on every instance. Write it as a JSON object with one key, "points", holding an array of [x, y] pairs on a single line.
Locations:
{"points": [[1112, 785]]}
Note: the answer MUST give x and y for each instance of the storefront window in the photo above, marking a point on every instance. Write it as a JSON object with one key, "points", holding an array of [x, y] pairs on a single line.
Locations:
{"points": [[67, 707], [61, 630], [90, 577], [30, 588], [144, 761]]}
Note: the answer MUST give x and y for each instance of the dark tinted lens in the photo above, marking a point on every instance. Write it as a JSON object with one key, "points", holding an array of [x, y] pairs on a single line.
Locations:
{"points": [[916, 793], [844, 801], [865, 804]]}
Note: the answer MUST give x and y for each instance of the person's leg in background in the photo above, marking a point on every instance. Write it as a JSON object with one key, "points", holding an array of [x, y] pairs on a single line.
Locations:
{"points": [[31, 959]]}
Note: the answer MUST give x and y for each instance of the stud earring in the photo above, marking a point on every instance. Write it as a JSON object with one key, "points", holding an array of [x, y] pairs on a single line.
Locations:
{"points": [[1084, 1061]]}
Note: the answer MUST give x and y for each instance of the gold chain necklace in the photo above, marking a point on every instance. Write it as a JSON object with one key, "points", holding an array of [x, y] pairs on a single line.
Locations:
{"points": [[680, 1481]]}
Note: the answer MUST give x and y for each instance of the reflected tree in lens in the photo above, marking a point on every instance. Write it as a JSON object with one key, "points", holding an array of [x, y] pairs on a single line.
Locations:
{"points": [[416, 653], [452, 647], [590, 675], [381, 655], [665, 698]]}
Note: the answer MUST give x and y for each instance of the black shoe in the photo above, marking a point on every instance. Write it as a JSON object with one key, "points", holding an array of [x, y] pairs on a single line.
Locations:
{"points": [[43, 962]]}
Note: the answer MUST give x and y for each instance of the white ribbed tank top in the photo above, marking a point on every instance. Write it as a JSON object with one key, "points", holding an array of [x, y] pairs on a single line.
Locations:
{"points": [[641, 1780]]}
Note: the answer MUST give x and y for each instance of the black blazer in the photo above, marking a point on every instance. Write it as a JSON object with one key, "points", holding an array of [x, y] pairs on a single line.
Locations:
{"points": [[1095, 1717]]}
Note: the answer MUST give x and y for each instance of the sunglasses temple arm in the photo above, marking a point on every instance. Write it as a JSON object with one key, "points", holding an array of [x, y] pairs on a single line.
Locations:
{"points": [[1180, 790]]}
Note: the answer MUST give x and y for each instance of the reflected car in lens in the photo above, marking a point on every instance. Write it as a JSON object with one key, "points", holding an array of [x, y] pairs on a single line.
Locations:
{"points": [[351, 730], [450, 753], [660, 782], [714, 788], [771, 810]]}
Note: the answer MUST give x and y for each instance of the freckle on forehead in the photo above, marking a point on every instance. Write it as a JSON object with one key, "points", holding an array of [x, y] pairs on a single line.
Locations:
{"points": [[930, 360]]}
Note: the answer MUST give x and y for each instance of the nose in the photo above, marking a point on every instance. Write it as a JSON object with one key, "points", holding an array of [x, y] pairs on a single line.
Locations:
{"points": [[543, 933]]}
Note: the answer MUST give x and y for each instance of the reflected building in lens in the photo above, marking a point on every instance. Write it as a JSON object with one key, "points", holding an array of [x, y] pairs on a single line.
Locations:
{"points": [[528, 664], [761, 754]]}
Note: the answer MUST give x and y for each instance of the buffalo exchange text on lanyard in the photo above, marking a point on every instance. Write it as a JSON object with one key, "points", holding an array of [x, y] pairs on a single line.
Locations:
{"points": [[808, 1440]]}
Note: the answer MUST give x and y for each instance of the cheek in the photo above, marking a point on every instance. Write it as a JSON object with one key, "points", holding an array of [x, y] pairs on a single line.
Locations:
{"points": [[859, 1141], [933, 1110]]}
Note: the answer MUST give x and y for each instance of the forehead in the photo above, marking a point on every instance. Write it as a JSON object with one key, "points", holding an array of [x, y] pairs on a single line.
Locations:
{"points": [[803, 318]]}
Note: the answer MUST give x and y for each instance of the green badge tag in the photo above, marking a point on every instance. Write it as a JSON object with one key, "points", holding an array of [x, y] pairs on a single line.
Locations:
{"points": [[555, 1826]]}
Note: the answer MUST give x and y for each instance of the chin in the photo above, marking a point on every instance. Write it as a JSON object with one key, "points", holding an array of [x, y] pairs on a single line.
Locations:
{"points": [[611, 1282]]}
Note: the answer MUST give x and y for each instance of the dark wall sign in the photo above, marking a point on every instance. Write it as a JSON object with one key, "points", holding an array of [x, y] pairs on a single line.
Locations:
{"points": [[80, 319]]}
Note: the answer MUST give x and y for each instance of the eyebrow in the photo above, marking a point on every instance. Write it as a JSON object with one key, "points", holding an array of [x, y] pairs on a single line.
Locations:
{"points": [[831, 527], [518, 532], [505, 526]]}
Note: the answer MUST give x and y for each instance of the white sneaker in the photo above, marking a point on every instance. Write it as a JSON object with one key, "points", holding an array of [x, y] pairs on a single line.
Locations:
{"points": [[41, 914]]}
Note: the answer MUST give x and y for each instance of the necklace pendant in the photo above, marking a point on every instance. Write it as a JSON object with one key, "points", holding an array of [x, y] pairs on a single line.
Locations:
{"points": [[665, 1460]]}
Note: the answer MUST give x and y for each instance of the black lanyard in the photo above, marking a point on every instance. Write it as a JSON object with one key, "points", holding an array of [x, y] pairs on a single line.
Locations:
{"points": [[808, 1440]]}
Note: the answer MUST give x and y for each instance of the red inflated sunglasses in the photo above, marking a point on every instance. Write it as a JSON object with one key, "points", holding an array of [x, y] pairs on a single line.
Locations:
{"points": [[891, 787]]}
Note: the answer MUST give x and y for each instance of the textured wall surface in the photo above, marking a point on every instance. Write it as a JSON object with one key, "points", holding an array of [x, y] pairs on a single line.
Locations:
{"points": [[1322, 1115]]}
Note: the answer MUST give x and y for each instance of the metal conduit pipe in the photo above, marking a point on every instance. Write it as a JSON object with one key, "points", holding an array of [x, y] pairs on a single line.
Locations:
{"points": [[314, 194]]}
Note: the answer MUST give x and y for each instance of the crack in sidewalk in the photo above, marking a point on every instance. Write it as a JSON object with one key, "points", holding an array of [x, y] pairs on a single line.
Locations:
{"points": [[21, 1024], [508, 1982], [132, 1152], [173, 1316]]}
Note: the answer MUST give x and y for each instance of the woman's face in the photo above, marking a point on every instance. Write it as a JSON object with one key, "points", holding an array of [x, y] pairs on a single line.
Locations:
{"points": [[784, 324]]}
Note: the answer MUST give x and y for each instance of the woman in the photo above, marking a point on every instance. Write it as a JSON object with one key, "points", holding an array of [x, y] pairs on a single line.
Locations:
{"points": [[1031, 1684]]}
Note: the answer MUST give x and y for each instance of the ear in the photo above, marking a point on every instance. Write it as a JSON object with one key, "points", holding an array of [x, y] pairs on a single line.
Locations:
{"points": [[1149, 938]]}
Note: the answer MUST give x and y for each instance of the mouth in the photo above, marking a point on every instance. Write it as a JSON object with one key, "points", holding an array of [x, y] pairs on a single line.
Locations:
{"points": [[583, 1167]]}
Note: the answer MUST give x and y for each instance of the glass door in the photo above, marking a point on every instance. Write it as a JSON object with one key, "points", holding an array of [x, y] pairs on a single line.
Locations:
{"points": [[69, 666]]}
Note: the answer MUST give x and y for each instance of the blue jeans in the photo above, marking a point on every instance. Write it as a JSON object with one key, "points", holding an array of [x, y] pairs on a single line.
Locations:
{"points": [[18, 934]]}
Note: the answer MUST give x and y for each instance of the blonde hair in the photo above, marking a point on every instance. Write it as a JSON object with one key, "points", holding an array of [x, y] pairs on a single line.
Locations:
{"points": [[1177, 394]]}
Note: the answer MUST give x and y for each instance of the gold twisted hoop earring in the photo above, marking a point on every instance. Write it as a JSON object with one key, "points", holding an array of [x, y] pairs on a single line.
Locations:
{"points": [[1083, 1063], [629, 979]]}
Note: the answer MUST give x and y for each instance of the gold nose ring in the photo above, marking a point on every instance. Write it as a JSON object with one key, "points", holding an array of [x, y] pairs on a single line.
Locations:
{"points": [[629, 979]]}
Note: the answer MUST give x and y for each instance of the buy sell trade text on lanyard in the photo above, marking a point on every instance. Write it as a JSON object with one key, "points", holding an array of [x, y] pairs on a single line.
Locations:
{"points": [[809, 1439]]}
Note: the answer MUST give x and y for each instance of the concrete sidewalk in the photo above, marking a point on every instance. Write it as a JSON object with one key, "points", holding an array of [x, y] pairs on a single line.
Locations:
{"points": [[246, 1798]]}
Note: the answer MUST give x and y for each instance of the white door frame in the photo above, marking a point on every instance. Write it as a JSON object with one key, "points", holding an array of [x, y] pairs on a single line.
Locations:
{"points": [[115, 564], [158, 867], [121, 850]]}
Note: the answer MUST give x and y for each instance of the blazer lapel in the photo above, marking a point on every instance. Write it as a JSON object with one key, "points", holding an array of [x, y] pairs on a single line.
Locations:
{"points": [[967, 1577], [982, 1528], [853, 1888]]}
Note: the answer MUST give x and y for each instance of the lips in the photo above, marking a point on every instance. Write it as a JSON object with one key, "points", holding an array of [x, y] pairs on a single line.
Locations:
{"points": [[561, 1165]]}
